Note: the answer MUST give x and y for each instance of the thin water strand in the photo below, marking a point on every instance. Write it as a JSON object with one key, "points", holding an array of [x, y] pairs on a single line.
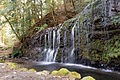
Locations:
{"points": [[58, 43]]}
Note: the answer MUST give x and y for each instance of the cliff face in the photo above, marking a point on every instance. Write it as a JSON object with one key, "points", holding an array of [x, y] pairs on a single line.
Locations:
{"points": [[92, 37]]}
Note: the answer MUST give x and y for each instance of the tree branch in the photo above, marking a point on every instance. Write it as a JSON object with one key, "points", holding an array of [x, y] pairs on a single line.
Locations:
{"points": [[12, 28]]}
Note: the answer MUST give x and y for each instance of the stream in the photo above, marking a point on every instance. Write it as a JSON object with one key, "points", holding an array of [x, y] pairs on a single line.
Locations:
{"points": [[98, 74]]}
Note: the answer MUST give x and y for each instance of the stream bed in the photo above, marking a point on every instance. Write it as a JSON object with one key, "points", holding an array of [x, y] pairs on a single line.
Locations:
{"points": [[98, 74]]}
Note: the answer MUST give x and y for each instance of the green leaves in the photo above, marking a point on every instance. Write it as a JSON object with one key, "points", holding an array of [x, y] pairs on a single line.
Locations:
{"points": [[80, 5], [42, 28], [113, 50]]}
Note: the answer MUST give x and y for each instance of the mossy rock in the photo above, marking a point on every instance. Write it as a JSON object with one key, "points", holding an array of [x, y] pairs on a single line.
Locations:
{"points": [[75, 75], [46, 72], [12, 65], [2, 61], [24, 69], [33, 70], [63, 72], [88, 78], [54, 73]]}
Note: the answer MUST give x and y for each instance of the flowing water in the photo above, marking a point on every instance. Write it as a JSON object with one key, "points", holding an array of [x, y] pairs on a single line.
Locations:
{"points": [[58, 43], [98, 74], [73, 41], [45, 49], [105, 4], [48, 55]]}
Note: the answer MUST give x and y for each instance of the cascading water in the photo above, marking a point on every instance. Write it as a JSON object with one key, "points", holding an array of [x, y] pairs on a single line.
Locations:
{"points": [[65, 45], [45, 49], [105, 4], [58, 45], [45, 45], [92, 19], [73, 40], [58, 42], [53, 49], [110, 8], [50, 54], [45, 42], [48, 58], [64, 42]]}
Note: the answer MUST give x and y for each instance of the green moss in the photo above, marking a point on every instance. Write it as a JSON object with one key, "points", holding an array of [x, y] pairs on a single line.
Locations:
{"points": [[12, 65], [63, 72], [75, 75], [66, 72], [2, 61], [113, 50], [115, 19], [16, 52], [24, 69], [33, 70], [106, 50], [54, 73], [88, 78]]}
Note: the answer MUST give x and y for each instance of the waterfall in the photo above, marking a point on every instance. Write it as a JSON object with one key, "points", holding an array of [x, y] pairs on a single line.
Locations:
{"points": [[73, 34], [68, 41], [105, 10], [92, 19], [110, 8], [45, 49], [105, 19], [73, 40], [58, 42], [58, 45], [54, 39], [48, 58], [50, 53], [63, 58], [54, 36]]}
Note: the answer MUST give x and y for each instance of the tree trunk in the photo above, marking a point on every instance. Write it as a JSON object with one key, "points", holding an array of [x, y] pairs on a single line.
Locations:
{"points": [[13, 29], [41, 9], [73, 4], [65, 6], [0, 36], [53, 10]]}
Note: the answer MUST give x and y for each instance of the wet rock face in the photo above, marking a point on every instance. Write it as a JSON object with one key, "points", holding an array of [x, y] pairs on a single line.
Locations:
{"points": [[115, 4], [85, 36], [118, 7]]}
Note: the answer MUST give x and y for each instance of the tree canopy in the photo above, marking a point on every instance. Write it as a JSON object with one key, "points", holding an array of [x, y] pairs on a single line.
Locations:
{"points": [[22, 15]]}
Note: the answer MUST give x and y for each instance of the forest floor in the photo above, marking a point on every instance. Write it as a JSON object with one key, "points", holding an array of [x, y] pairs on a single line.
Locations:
{"points": [[17, 74], [5, 51]]}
